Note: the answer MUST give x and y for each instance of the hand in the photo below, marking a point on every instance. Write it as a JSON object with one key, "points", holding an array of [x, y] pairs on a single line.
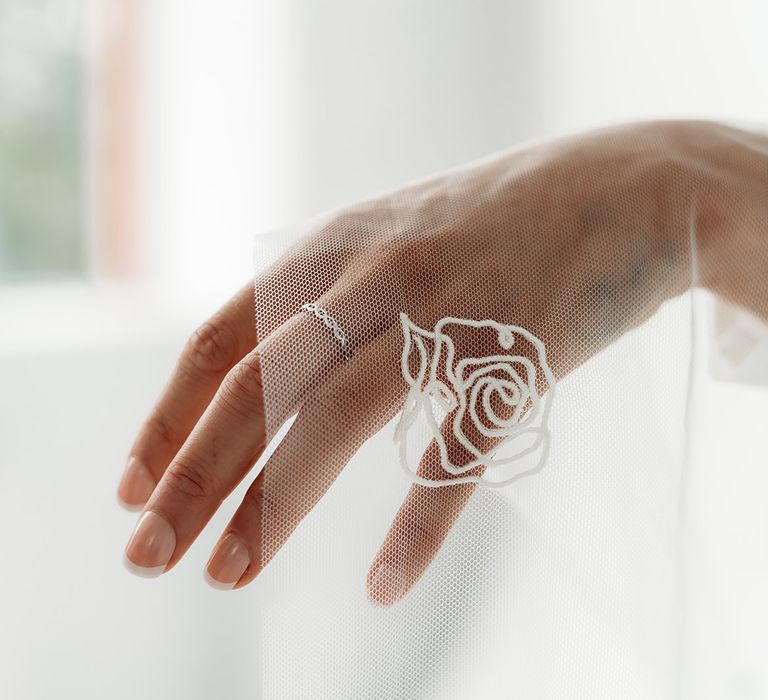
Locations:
{"points": [[577, 240]]}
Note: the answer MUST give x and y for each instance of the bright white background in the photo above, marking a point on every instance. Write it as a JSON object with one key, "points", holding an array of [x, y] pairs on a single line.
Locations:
{"points": [[254, 115]]}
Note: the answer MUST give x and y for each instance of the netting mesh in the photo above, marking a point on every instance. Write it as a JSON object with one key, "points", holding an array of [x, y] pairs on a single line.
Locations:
{"points": [[451, 313]]}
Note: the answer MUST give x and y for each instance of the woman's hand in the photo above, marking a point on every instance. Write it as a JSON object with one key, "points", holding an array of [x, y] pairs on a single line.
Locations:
{"points": [[577, 241]]}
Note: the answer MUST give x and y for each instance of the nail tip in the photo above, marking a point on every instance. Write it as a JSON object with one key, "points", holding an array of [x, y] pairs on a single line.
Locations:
{"points": [[143, 571], [151, 546], [386, 585], [130, 507], [138, 482], [218, 585], [376, 603], [228, 563]]}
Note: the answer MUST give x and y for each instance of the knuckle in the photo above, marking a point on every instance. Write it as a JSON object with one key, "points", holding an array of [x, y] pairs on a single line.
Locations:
{"points": [[349, 219], [191, 479], [668, 171], [211, 347], [242, 388]]}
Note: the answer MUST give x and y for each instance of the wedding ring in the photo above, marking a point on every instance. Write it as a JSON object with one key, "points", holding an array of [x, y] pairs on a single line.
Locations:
{"points": [[331, 324]]}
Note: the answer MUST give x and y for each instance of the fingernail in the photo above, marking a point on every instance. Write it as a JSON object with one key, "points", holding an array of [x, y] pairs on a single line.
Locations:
{"points": [[228, 563], [150, 548], [136, 486], [387, 584]]}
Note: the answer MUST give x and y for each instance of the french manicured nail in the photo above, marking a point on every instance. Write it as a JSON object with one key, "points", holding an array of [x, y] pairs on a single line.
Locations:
{"points": [[387, 584], [151, 546], [228, 563], [136, 486]]}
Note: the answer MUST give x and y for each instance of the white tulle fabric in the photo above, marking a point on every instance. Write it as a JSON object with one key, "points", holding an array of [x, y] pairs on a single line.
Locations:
{"points": [[532, 315]]}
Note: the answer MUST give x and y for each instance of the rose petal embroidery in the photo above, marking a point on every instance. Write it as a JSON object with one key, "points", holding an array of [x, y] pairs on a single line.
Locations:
{"points": [[471, 384]]}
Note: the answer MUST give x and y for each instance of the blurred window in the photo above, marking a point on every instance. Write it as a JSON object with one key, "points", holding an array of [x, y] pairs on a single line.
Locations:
{"points": [[42, 207]]}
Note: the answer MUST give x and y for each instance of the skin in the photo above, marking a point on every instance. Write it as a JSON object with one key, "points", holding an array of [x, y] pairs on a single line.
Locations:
{"points": [[663, 185]]}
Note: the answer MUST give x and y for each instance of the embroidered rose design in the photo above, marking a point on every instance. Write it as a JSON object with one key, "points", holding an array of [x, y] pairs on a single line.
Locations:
{"points": [[468, 391]]}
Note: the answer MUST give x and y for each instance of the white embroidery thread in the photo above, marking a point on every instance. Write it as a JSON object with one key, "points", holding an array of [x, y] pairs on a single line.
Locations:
{"points": [[462, 396]]}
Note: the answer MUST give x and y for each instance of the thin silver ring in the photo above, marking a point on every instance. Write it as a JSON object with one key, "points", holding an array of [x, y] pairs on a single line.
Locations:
{"points": [[331, 324]]}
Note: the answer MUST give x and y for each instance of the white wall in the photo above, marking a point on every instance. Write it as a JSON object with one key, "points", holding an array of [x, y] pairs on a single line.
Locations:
{"points": [[260, 114], [608, 61], [257, 115]]}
